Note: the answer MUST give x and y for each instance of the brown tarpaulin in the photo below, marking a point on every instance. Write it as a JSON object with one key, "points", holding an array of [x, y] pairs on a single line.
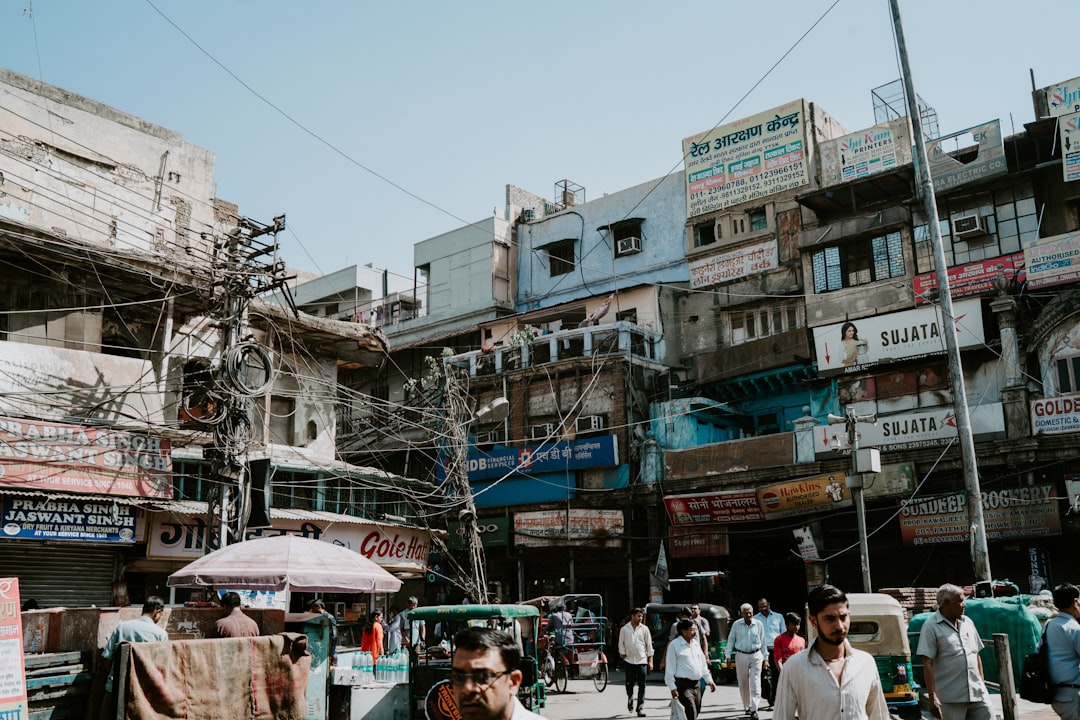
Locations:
{"points": [[261, 678]]}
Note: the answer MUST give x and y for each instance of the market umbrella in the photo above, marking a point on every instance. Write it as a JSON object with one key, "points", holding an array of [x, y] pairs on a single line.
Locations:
{"points": [[286, 562]]}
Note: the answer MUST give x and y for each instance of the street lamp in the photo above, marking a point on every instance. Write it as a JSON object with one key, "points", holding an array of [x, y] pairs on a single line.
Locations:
{"points": [[866, 460]]}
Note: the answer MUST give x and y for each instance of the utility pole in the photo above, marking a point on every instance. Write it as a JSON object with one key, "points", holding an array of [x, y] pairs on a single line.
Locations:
{"points": [[243, 373], [862, 461], [980, 554]]}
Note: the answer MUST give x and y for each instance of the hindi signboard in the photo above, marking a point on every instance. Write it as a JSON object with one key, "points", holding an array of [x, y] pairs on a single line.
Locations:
{"points": [[971, 279], [713, 507], [594, 452], [748, 159], [734, 265], [36, 455], [576, 526]]}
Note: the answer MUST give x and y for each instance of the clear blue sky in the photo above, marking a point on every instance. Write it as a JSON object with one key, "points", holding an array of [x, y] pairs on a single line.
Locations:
{"points": [[452, 101]]}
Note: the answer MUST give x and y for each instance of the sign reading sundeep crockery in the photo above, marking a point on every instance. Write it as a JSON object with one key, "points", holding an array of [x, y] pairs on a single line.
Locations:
{"points": [[37, 455], [1007, 513]]}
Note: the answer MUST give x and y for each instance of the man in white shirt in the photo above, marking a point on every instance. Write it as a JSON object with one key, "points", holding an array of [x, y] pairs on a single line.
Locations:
{"points": [[746, 643], [685, 666], [636, 651], [774, 625], [830, 679]]}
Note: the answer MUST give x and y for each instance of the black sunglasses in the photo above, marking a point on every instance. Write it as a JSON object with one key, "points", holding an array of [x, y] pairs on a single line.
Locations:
{"points": [[482, 678]]}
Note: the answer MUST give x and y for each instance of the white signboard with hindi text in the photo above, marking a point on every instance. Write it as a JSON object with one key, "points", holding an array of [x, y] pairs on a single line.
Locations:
{"points": [[734, 265]]}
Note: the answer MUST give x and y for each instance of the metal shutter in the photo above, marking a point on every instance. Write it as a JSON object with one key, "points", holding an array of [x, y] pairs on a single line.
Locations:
{"points": [[62, 575]]}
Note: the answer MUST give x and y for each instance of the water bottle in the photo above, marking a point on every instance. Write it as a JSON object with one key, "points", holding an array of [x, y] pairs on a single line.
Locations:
{"points": [[401, 668], [365, 667]]}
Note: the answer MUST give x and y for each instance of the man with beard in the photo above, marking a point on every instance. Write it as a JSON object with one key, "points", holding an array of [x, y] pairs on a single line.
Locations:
{"points": [[831, 679], [485, 674], [950, 645]]}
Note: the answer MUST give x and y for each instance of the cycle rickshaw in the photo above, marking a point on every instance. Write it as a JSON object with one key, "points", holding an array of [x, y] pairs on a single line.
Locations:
{"points": [[577, 652]]}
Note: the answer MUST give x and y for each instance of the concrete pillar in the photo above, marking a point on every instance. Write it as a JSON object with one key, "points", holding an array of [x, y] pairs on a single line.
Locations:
{"points": [[1014, 397]]}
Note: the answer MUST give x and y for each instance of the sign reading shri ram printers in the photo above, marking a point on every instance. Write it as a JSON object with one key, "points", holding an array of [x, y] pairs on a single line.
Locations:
{"points": [[748, 159], [48, 456]]}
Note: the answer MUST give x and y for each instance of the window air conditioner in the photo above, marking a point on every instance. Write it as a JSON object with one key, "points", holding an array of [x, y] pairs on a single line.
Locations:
{"points": [[528, 215], [543, 431], [968, 226], [589, 423], [628, 245]]}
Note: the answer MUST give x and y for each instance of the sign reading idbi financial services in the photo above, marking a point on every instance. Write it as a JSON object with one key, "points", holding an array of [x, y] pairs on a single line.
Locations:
{"points": [[748, 159]]}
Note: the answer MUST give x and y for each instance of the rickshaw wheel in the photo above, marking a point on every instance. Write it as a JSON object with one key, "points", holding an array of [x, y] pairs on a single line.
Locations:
{"points": [[600, 679], [561, 675]]}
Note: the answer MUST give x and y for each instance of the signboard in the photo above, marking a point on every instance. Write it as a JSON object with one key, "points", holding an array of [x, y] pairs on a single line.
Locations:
{"points": [[867, 152], [745, 160], [548, 528], [714, 507], [1063, 98], [12, 670], [894, 479], [895, 336], [799, 497], [971, 279], [934, 427], [181, 538], [734, 265], [1055, 415], [947, 172], [38, 455], [1053, 261], [602, 451], [1008, 513], [494, 532], [706, 541], [30, 518], [804, 538], [1069, 128]]}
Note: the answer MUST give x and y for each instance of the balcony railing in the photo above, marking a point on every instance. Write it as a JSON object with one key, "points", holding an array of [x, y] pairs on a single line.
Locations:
{"points": [[623, 339]]}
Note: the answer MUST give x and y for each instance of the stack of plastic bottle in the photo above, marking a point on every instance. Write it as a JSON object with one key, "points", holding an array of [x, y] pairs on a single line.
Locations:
{"points": [[364, 664], [393, 668]]}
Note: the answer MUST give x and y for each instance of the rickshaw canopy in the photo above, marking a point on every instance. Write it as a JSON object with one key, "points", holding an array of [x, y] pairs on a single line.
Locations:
{"points": [[472, 612]]}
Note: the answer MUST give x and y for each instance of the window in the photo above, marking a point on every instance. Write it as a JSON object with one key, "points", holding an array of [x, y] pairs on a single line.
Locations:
{"points": [[626, 236], [1068, 374], [629, 316], [748, 325], [758, 220], [561, 258], [858, 262], [704, 234]]}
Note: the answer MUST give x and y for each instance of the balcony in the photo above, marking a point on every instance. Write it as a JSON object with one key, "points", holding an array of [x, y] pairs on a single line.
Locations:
{"points": [[622, 338]]}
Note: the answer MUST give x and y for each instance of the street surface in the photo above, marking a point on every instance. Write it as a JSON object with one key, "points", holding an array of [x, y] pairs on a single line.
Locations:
{"points": [[581, 701]]}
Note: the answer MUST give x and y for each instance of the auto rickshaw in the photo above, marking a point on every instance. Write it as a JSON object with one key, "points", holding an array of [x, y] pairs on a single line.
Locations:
{"points": [[879, 627], [583, 656], [660, 616], [430, 693]]}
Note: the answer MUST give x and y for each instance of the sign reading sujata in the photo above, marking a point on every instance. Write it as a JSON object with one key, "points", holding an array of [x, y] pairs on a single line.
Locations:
{"points": [[171, 537], [932, 427], [906, 335], [48, 456], [593, 452], [1007, 513]]}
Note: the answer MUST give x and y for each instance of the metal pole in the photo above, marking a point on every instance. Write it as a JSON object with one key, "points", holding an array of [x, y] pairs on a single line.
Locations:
{"points": [[856, 485], [980, 554]]}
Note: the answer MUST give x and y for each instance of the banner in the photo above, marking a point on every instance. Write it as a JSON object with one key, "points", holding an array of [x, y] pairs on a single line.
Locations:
{"points": [[1069, 127], [660, 572], [971, 279], [799, 497], [745, 160], [38, 455], [714, 507], [1008, 513], [867, 152], [734, 265], [550, 528], [12, 669], [40, 519], [804, 538]]}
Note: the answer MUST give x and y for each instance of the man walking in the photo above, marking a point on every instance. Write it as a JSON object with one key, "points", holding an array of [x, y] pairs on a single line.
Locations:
{"points": [[952, 669], [746, 643], [1063, 649], [144, 628], [831, 679], [703, 630], [636, 651], [774, 628], [235, 623], [685, 667]]}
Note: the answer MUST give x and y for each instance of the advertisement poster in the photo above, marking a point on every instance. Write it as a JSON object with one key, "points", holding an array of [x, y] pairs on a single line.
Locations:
{"points": [[971, 279], [912, 430], [1063, 98], [1069, 127], [866, 152], [798, 497], [1053, 261], [745, 160], [12, 674], [37, 455], [547, 528], [734, 265], [30, 518], [715, 507], [906, 335], [1008, 513], [1055, 415], [985, 159]]}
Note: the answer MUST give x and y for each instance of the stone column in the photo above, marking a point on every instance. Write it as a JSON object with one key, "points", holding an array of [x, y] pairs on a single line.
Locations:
{"points": [[1014, 396]]}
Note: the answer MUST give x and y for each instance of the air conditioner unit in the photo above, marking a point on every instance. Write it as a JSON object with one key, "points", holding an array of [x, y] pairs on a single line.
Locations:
{"points": [[543, 431], [528, 215], [969, 226], [589, 423], [628, 246]]}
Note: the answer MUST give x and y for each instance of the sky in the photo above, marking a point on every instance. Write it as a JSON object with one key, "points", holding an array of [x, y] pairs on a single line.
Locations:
{"points": [[373, 126]]}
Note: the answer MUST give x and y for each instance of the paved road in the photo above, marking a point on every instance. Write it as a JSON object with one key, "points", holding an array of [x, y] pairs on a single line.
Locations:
{"points": [[583, 702]]}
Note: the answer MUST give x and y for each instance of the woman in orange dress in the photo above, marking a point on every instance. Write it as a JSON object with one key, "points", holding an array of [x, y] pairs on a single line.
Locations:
{"points": [[372, 639]]}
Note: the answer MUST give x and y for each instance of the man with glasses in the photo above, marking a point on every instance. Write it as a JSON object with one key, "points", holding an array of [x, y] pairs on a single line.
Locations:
{"points": [[485, 674]]}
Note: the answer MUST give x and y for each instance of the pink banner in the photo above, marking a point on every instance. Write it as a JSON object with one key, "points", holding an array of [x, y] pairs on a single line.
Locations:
{"points": [[12, 674]]}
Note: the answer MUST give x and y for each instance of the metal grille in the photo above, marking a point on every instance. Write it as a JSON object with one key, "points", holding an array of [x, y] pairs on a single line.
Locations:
{"points": [[66, 575]]}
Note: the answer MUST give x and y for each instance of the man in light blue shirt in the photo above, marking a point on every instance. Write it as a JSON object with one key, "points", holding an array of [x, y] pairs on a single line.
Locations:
{"points": [[144, 628], [746, 643], [774, 627], [1063, 649]]}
